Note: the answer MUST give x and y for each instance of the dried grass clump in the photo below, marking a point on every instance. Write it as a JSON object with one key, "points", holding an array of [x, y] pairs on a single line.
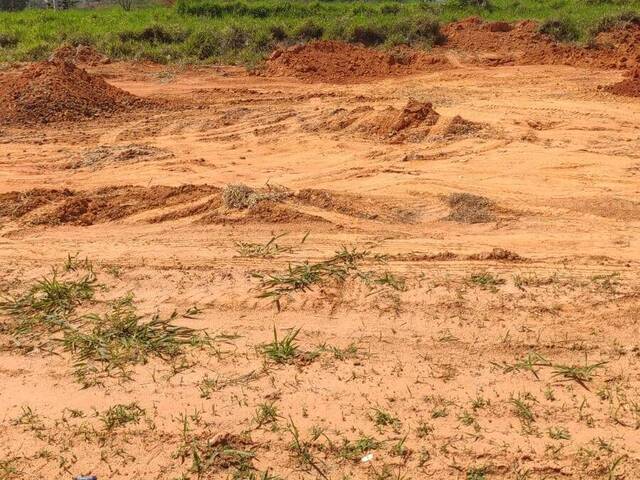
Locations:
{"points": [[237, 196], [469, 208], [240, 196]]}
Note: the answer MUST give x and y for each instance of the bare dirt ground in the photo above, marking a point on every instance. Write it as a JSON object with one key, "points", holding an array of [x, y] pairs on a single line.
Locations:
{"points": [[479, 338]]}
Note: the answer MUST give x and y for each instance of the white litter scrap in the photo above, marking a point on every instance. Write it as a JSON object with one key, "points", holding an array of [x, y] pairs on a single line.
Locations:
{"points": [[367, 458]]}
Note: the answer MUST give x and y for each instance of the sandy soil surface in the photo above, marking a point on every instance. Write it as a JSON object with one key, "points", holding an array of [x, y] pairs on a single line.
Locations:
{"points": [[500, 342]]}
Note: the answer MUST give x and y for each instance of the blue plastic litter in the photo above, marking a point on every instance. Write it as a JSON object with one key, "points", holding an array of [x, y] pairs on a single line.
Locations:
{"points": [[85, 477]]}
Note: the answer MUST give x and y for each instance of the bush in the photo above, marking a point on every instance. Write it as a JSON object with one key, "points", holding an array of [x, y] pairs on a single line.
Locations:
{"points": [[368, 35], [423, 30], [217, 9], [390, 9], [361, 9], [278, 33], [309, 30], [8, 40], [204, 44], [561, 30], [39, 51], [13, 5], [484, 4], [153, 34], [235, 38], [610, 22], [76, 38]]}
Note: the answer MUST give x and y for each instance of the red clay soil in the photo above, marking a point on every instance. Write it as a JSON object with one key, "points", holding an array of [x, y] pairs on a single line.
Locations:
{"points": [[629, 87], [521, 43], [339, 62], [58, 91], [57, 207], [414, 121]]}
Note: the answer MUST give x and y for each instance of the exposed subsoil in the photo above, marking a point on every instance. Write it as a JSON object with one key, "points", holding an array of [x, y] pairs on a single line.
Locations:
{"points": [[339, 62], [521, 43], [629, 87], [59, 91], [58, 207]]}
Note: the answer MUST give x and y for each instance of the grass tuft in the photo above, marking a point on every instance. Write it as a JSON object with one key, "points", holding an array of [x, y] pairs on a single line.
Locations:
{"points": [[121, 415], [282, 351], [46, 307], [114, 342]]}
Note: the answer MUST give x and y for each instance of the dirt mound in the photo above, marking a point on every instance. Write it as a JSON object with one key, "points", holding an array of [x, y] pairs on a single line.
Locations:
{"points": [[522, 43], [61, 207], [266, 211], [455, 127], [338, 62], [18, 204], [79, 55], [355, 205], [414, 120], [629, 87], [59, 91], [117, 155]]}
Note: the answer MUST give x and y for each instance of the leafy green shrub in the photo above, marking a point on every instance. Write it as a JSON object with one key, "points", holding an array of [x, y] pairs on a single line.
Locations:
{"points": [[13, 5], [204, 44], [278, 33], [610, 22], [309, 30], [561, 30], [484, 4], [368, 35], [218, 9], [390, 9], [423, 30], [76, 38], [154, 34], [362, 9], [427, 29], [39, 51], [235, 37], [8, 40]]}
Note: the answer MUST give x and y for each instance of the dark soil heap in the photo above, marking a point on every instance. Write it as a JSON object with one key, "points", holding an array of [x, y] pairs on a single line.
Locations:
{"points": [[339, 62], [629, 87], [59, 91]]}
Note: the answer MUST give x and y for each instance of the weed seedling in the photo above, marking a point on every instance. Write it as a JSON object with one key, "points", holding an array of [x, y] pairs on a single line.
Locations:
{"points": [[580, 374], [120, 415], [282, 351], [266, 414], [559, 433]]}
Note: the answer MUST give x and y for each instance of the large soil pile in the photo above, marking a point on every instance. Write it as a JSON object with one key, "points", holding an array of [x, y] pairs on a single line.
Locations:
{"points": [[415, 117], [58, 91], [522, 43], [414, 122], [338, 62], [629, 87]]}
